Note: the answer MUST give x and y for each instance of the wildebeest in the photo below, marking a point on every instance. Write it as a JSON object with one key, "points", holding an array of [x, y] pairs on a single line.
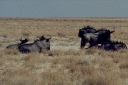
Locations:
{"points": [[113, 46], [93, 36], [39, 45], [15, 46], [83, 31]]}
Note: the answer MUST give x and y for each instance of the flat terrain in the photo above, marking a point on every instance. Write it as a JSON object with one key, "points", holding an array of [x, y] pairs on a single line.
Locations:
{"points": [[68, 65]]}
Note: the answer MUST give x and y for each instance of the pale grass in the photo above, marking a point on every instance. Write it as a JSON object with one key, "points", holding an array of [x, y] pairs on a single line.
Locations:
{"points": [[65, 64]]}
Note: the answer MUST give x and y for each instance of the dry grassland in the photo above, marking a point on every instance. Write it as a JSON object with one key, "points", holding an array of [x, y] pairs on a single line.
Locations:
{"points": [[68, 65]]}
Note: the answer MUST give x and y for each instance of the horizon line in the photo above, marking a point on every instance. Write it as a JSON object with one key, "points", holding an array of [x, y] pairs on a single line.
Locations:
{"points": [[64, 18]]}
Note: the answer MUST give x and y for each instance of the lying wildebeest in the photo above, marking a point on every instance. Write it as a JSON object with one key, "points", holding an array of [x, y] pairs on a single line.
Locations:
{"points": [[95, 37], [39, 45], [113, 46], [15, 46]]}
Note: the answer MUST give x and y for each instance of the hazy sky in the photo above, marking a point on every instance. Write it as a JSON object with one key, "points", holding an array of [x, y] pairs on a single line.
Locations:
{"points": [[63, 8]]}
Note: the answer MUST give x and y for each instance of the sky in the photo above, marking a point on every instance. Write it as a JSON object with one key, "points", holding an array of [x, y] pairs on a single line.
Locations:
{"points": [[63, 8]]}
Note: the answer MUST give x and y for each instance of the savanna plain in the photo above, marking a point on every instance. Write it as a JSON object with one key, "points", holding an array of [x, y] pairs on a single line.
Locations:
{"points": [[66, 64]]}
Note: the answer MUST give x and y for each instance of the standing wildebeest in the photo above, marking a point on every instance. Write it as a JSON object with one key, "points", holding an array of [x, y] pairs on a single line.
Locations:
{"points": [[84, 31], [113, 46], [39, 45], [93, 36], [15, 46]]}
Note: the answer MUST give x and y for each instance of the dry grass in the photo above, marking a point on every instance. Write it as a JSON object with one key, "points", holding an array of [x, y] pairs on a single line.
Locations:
{"points": [[66, 64]]}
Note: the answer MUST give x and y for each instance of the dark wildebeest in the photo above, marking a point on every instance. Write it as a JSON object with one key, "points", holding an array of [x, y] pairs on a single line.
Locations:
{"points": [[15, 46], [39, 45], [83, 31], [113, 46], [94, 38]]}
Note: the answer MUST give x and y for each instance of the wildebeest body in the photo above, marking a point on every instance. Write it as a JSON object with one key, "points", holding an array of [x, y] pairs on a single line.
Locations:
{"points": [[36, 46], [26, 48]]}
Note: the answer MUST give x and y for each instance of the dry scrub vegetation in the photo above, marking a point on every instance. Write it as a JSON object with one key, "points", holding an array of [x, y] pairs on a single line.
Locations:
{"points": [[67, 65]]}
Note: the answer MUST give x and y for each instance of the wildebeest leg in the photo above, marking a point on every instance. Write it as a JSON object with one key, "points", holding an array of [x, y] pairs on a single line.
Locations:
{"points": [[83, 42]]}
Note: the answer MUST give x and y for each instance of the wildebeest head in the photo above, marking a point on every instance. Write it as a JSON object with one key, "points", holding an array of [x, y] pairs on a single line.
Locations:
{"points": [[81, 33], [85, 30]]}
